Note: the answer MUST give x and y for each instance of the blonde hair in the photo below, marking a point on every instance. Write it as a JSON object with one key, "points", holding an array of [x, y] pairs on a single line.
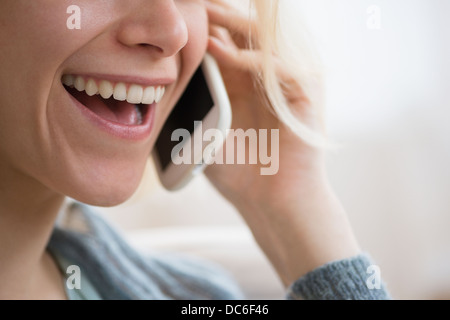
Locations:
{"points": [[280, 32]]}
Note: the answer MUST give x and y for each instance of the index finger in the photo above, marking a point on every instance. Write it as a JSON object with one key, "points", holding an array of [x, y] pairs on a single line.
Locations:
{"points": [[230, 18]]}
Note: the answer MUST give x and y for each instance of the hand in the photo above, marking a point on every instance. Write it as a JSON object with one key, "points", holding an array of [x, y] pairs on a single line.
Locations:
{"points": [[299, 163], [294, 215]]}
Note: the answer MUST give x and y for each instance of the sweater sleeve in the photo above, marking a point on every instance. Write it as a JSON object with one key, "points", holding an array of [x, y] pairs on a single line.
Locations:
{"points": [[354, 278]]}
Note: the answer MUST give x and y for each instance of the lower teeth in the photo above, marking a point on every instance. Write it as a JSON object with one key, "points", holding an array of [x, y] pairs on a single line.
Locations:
{"points": [[139, 115]]}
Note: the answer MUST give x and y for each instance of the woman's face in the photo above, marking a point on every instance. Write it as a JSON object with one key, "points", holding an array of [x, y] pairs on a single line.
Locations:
{"points": [[87, 147]]}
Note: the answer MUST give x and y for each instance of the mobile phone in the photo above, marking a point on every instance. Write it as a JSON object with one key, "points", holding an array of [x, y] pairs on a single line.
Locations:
{"points": [[204, 105]]}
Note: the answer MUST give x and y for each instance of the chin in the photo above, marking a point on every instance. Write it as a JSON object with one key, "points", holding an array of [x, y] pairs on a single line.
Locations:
{"points": [[113, 195], [102, 188]]}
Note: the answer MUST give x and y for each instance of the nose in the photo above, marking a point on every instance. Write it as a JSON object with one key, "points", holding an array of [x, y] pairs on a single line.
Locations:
{"points": [[157, 25]]}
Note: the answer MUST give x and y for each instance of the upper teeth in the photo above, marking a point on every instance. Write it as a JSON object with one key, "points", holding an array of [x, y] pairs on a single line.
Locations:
{"points": [[135, 94]]}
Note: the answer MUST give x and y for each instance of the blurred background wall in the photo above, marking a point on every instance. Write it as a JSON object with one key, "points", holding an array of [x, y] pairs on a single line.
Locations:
{"points": [[389, 108]]}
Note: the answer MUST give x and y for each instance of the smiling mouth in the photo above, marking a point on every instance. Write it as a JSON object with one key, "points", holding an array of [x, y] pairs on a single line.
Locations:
{"points": [[125, 104]]}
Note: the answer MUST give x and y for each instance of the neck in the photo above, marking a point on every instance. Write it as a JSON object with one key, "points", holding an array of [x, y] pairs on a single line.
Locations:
{"points": [[28, 211]]}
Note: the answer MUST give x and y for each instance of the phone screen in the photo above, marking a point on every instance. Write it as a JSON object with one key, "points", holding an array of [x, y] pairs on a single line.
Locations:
{"points": [[194, 105]]}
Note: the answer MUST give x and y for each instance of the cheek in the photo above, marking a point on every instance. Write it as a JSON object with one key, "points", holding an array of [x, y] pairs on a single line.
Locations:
{"points": [[192, 54], [198, 36], [196, 19], [188, 60], [27, 31], [35, 42]]}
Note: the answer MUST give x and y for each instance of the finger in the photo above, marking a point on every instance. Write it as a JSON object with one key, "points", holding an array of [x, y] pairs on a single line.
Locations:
{"points": [[250, 61], [223, 35], [232, 57], [221, 52], [231, 19], [225, 4]]}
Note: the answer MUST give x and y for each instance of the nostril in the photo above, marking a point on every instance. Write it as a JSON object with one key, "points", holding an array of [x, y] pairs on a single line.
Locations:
{"points": [[149, 46]]}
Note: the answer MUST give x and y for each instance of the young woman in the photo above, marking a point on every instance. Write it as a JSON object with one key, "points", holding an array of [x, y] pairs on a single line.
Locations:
{"points": [[58, 141]]}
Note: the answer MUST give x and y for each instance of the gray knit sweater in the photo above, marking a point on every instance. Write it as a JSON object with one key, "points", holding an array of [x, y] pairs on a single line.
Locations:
{"points": [[118, 272]]}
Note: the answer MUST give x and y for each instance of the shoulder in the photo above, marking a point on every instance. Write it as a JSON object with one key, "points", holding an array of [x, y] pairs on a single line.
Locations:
{"points": [[118, 271]]}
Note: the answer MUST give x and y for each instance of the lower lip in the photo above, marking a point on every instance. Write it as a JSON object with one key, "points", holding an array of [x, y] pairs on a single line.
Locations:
{"points": [[125, 132]]}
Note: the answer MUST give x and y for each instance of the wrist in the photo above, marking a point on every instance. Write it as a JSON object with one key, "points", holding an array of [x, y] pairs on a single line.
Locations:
{"points": [[300, 233]]}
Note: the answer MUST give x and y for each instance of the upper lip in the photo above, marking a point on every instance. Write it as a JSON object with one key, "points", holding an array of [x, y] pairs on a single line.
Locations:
{"points": [[139, 80]]}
